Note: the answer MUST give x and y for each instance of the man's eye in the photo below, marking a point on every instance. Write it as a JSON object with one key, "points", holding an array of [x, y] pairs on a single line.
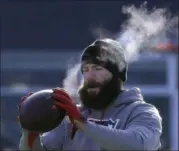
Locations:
{"points": [[84, 70]]}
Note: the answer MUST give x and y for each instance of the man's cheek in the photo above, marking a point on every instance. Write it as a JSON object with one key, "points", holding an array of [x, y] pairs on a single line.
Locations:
{"points": [[101, 80]]}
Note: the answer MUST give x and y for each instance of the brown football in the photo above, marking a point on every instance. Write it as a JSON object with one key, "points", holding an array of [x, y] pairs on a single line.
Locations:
{"points": [[36, 113]]}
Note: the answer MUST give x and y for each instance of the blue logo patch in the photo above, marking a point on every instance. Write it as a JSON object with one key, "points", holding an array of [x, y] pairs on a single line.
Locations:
{"points": [[109, 123]]}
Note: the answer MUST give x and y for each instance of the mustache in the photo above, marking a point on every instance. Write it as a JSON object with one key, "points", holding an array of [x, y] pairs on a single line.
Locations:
{"points": [[92, 84]]}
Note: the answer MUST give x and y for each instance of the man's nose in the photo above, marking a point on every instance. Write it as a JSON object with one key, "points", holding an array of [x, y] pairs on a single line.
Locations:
{"points": [[89, 76]]}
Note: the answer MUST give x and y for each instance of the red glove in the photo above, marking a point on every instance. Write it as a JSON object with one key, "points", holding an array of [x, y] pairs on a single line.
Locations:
{"points": [[63, 100], [22, 100], [31, 135]]}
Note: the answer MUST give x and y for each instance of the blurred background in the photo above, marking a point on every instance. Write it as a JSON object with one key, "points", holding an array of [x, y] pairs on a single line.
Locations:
{"points": [[41, 40]]}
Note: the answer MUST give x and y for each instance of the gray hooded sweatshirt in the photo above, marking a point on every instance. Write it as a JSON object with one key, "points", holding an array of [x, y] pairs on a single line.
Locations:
{"points": [[128, 124]]}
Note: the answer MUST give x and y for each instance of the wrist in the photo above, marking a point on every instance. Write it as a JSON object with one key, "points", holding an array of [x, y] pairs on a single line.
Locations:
{"points": [[80, 124], [29, 138], [27, 133]]}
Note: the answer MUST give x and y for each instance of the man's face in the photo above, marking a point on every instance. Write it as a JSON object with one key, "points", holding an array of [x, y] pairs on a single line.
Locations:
{"points": [[95, 77], [99, 87]]}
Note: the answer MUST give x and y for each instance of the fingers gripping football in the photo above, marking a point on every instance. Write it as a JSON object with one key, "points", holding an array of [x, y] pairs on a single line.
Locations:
{"points": [[63, 100], [21, 101], [31, 135]]}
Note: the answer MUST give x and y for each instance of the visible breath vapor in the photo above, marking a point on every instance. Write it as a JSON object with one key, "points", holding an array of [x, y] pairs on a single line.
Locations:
{"points": [[142, 31], [71, 81]]}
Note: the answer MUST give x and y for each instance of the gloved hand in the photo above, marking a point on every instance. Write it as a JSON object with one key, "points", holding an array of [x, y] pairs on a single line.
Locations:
{"points": [[22, 100], [31, 136], [63, 100]]}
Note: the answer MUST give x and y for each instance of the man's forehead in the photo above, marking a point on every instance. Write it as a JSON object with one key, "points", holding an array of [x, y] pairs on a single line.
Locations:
{"points": [[89, 64]]}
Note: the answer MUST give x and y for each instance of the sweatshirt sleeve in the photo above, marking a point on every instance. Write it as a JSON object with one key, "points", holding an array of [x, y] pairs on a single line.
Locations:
{"points": [[54, 140], [142, 132]]}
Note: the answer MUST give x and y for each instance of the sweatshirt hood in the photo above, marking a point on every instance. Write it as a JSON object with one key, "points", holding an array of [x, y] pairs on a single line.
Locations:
{"points": [[129, 96], [126, 97]]}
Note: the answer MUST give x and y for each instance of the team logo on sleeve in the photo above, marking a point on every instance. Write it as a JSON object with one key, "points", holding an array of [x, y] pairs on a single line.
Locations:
{"points": [[109, 122]]}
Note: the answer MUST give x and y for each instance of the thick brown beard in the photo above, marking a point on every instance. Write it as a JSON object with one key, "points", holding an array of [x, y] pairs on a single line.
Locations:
{"points": [[108, 93]]}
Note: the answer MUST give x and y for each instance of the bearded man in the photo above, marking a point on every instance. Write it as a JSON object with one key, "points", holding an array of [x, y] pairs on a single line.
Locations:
{"points": [[110, 117]]}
